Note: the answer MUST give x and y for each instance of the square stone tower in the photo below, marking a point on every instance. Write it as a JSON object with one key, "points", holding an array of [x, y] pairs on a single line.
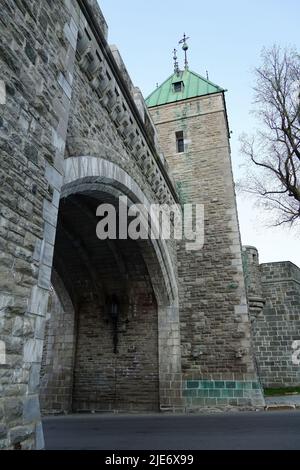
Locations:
{"points": [[217, 356]]}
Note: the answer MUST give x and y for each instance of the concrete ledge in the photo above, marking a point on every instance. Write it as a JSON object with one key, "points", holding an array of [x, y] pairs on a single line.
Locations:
{"points": [[280, 407], [285, 402]]}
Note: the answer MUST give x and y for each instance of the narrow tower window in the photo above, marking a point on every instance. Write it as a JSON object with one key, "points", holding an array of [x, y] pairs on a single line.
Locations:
{"points": [[179, 142]]}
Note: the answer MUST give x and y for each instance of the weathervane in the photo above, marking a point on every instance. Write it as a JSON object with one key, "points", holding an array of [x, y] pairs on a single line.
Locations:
{"points": [[185, 47], [176, 67]]}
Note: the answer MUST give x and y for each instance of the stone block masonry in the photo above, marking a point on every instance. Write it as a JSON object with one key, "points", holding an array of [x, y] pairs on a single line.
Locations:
{"points": [[35, 52], [63, 96], [214, 319], [56, 377], [75, 133], [274, 298]]}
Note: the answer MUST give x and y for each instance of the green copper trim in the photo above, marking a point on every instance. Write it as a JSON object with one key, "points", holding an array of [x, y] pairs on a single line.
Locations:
{"points": [[193, 85]]}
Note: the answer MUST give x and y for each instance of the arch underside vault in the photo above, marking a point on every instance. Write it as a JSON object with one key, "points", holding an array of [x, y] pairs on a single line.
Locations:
{"points": [[92, 362]]}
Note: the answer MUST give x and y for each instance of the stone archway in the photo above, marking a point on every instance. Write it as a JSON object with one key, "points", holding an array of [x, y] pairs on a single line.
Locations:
{"points": [[146, 372]]}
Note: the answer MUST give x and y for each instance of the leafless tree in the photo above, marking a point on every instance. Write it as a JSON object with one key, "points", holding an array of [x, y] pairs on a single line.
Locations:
{"points": [[273, 154]]}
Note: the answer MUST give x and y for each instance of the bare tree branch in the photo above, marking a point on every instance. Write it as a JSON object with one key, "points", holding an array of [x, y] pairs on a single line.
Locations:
{"points": [[273, 155]]}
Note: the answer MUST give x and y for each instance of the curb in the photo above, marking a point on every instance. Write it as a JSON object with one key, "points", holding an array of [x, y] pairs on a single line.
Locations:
{"points": [[280, 407]]}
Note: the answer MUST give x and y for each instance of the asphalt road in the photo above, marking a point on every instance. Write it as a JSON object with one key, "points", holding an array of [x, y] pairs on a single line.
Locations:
{"points": [[232, 431]]}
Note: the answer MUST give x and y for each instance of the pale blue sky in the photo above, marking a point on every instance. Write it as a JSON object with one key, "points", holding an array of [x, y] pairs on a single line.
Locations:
{"points": [[226, 38]]}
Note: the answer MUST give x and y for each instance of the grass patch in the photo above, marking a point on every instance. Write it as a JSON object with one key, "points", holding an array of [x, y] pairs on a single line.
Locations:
{"points": [[273, 392]]}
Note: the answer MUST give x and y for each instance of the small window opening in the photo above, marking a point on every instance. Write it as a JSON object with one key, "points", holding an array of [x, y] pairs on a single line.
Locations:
{"points": [[178, 87], [99, 57], [179, 142], [87, 33]]}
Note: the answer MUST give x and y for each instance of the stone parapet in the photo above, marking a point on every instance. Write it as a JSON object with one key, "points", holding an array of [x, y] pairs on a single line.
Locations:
{"points": [[109, 78]]}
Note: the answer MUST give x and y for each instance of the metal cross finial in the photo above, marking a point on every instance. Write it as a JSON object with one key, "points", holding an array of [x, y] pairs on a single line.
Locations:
{"points": [[176, 67], [185, 47]]}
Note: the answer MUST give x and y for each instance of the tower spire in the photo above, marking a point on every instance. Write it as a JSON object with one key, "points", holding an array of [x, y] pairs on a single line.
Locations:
{"points": [[185, 48], [176, 67]]}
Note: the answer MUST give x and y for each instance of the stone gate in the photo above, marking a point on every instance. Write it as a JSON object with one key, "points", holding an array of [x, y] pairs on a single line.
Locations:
{"points": [[76, 133]]}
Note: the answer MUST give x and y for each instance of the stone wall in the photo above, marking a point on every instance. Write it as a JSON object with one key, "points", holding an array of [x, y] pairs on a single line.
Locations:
{"points": [[37, 53], [276, 325], [128, 380], [56, 385], [48, 50], [109, 120], [124, 380], [214, 320]]}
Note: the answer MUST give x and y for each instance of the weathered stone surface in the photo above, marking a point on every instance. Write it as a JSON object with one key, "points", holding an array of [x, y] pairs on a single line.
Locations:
{"points": [[30, 52], [31, 153], [3, 431], [71, 136], [31, 409], [33, 350], [39, 437], [34, 378], [39, 301], [274, 299], [13, 408], [20, 434], [29, 118], [214, 322]]}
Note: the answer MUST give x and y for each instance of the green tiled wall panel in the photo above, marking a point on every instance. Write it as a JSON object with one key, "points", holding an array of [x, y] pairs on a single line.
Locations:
{"points": [[220, 392]]}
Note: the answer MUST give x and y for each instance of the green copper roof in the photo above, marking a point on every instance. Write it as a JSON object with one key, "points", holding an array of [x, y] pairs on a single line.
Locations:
{"points": [[194, 85]]}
